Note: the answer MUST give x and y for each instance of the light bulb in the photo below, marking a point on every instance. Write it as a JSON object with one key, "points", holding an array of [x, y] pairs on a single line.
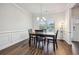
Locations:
{"points": [[44, 18], [41, 19], [38, 18]]}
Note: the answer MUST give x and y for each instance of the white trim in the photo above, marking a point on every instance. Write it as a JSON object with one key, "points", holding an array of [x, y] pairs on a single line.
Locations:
{"points": [[8, 45]]}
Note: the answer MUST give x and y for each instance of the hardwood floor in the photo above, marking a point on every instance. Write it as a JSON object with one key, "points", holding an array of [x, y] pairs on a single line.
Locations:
{"points": [[23, 48]]}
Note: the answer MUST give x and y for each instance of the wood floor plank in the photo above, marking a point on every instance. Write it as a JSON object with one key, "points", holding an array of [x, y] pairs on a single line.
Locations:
{"points": [[22, 48]]}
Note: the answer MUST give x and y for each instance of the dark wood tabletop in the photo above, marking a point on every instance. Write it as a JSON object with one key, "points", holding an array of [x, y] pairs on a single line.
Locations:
{"points": [[47, 34]]}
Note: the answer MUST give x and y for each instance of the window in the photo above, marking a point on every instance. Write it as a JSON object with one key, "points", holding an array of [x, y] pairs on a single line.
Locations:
{"points": [[49, 25]]}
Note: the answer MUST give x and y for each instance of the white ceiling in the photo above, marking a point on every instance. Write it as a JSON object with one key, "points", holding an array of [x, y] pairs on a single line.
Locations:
{"points": [[49, 7]]}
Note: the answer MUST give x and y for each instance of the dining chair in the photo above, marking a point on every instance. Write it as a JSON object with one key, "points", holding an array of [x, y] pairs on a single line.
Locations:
{"points": [[32, 37], [37, 31], [40, 38], [56, 39], [44, 30], [53, 40]]}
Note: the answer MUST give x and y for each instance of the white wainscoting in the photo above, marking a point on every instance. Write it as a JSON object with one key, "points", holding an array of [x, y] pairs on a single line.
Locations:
{"points": [[9, 38]]}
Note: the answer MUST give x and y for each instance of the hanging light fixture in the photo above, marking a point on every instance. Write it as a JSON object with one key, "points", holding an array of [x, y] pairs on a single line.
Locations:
{"points": [[41, 18], [38, 18], [44, 18]]}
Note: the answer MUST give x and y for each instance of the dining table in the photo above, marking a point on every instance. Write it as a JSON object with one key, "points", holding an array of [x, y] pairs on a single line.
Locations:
{"points": [[43, 34]]}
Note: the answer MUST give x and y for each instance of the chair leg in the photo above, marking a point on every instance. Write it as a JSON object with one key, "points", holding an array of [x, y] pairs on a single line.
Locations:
{"points": [[29, 42], [34, 41], [56, 45], [44, 42], [38, 44], [47, 43], [47, 46]]}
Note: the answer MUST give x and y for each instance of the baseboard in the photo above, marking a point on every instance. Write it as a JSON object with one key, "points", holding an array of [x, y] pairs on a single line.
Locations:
{"points": [[75, 41], [65, 42], [9, 45], [60, 39]]}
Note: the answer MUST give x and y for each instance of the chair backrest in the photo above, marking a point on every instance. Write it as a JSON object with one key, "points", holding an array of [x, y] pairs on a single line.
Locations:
{"points": [[29, 30], [44, 30], [37, 31], [56, 34]]}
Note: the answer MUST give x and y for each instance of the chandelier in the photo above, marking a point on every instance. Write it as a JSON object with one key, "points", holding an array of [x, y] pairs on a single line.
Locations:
{"points": [[41, 18]]}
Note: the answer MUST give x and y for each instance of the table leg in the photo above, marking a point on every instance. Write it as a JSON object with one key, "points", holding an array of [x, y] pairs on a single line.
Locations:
{"points": [[36, 43], [54, 47], [29, 40], [54, 44]]}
